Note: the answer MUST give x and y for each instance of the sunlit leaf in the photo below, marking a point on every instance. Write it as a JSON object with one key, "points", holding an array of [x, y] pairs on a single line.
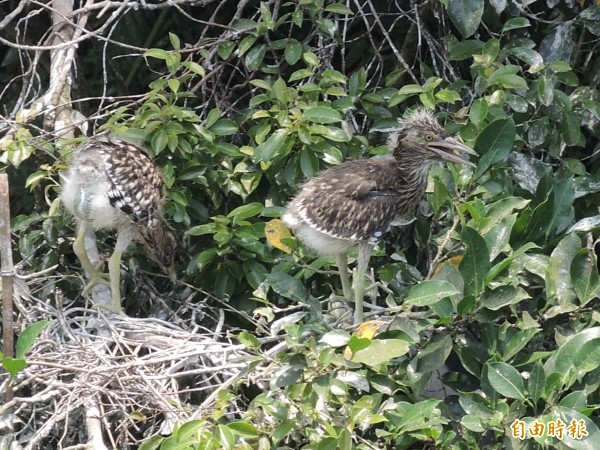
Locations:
{"points": [[430, 291], [28, 336], [466, 15], [475, 265], [506, 380], [380, 351], [275, 231]]}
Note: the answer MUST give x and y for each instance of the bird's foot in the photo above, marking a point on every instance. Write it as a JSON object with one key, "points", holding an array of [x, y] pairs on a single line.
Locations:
{"points": [[94, 278], [117, 309]]}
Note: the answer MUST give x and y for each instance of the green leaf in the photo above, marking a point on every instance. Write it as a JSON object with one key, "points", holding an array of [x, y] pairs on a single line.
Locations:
{"points": [[434, 354], [293, 52], [159, 141], [224, 49], [285, 376], [283, 430], [224, 436], [502, 296], [584, 275], [567, 355], [245, 211], [465, 49], [244, 429], [475, 264], [205, 257], [27, 338], [299, 74], [357, 82], [473, 423], [570, 129], [494, 143], [311, 59], [280, 91], [514, 23], [507, 77], [152, 443], [587, 357], [255, 56], [586, 224], [189, 430], [518, 342], [158, 53], [344, 441], [322, 114], [194, 67], [466, 15], [381, 351], [288, 286], [329, 443], [498, 236], [35, 178], [529, 56], [448, 96], [224, 127], [559, 287], [560, 66], [429, 292], [536, 381], [338, 8], [268, 149], [336, 338], [411, 89], [13, 365], [248, 339], [478, 112], [545, 91], [506, 380], [246, 44], [591, 441], [563, 197]]}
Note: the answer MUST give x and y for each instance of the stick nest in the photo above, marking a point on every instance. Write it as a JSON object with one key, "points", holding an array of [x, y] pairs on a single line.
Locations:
{"points": [[95, 378]]}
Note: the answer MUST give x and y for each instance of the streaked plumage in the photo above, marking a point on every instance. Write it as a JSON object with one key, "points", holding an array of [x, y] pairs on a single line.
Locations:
{"points": [[353, 204], [114, 184]]}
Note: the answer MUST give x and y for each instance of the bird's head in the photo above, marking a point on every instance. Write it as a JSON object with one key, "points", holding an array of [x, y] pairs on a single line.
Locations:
{"points": [[421, 139], [161, 246]]}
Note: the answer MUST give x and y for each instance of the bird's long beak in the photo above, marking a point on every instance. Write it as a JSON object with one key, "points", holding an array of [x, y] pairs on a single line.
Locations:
{"points": [[445, 149]]}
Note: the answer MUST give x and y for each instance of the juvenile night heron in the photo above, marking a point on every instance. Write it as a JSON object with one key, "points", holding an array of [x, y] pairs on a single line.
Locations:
{"points": [[352, 204], [113, 184]]}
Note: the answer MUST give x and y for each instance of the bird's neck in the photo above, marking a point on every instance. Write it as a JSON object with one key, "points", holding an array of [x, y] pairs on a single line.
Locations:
{"points": [[412, 166]]}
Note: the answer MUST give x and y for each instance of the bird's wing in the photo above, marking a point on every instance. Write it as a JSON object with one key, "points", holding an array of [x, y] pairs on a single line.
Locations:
{"points": [[137, 187], [351, 201]]}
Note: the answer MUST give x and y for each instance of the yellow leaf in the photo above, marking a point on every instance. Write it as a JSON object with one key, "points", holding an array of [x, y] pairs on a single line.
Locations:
{"points": [[366, 330], [454, 261], [275, 231]]}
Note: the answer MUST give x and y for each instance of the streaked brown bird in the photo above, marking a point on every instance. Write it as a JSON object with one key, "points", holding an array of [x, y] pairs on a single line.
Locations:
{"points": [[353, 204], [114, 184]]}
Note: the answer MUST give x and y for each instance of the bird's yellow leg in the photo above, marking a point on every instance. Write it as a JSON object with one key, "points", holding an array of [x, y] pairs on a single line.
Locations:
{"points": [[94, 275], [342, 263], [114, 270], [358, 281]]}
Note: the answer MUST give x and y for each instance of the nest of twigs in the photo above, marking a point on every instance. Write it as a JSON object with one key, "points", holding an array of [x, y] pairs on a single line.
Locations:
{"points": [[99, 380]]}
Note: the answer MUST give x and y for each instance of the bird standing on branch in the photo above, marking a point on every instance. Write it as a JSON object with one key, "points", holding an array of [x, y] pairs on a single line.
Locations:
{"points": [[352, 204], [114, 184]]}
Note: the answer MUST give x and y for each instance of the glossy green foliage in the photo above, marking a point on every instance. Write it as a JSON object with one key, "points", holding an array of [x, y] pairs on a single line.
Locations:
{"points": [[489, 292]]}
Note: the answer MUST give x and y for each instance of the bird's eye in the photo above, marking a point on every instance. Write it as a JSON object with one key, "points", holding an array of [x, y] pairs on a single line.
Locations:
{"points": [[429, 137]]}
